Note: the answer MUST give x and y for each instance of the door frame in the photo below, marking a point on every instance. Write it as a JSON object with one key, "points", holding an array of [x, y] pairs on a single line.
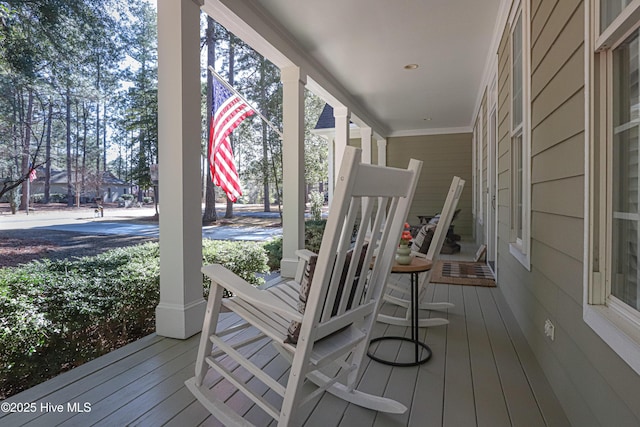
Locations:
{"points": [[491, 193]]}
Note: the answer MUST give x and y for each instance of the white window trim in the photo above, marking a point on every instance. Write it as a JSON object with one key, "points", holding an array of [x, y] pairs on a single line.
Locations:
{"points": [[614, 322], [520, 249]]}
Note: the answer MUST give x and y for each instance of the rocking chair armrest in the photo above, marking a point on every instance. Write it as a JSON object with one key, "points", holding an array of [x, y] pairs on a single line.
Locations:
{"points": [[245, 291], [305, 254]]}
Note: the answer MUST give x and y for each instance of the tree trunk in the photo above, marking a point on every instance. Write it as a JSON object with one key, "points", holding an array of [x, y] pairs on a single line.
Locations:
{"points": [[76, 158], [26, 144], [104, 138], [83, 169], [265, 142], [98, 176], [141, 163], [68, 119], [47, 167]]}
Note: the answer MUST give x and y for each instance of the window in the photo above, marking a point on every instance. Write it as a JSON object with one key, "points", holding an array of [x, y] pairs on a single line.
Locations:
{"points": [[613, 282], [516, 173], [520, 178], [624, 166], [610, 10]]}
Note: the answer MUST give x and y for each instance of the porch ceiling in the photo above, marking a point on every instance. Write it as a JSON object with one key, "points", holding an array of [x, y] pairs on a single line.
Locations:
{"points": [[365, 44]]}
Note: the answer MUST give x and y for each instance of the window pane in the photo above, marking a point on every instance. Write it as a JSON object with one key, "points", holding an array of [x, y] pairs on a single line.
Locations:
{"points": [[516, 158], [516, 73], [625, 275], [609, 10]]}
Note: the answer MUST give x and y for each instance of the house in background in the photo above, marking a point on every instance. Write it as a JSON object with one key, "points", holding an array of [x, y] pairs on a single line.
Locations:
{"points": [[111, 187], [535, 100]]}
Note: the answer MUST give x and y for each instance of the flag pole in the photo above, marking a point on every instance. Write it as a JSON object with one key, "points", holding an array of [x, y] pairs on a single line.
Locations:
{"points": [[232, 89], [28, 192]]}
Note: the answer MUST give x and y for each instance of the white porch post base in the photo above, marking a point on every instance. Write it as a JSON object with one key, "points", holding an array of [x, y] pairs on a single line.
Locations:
{"points": [[180, 321], [288, 267]]}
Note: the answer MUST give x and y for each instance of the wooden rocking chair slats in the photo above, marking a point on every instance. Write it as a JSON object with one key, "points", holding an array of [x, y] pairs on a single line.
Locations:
{"points": [[368, 211], [448, 210]]}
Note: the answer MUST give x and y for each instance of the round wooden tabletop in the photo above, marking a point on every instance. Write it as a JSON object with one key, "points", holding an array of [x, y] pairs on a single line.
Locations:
{"points": [[417, 265]]}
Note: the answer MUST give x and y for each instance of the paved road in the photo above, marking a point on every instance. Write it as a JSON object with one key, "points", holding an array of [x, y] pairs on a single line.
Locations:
{"points": [[151, 230], [115, 222]]}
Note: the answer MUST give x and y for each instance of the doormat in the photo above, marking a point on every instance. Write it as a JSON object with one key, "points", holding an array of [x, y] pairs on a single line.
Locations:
{"points": [[462, 273]]}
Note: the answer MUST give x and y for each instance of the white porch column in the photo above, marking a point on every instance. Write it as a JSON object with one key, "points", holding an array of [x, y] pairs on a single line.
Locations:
{"points": [[293, 83], [382, 152], [182, 307], [365, 142], [341, 114], [332, 169]]}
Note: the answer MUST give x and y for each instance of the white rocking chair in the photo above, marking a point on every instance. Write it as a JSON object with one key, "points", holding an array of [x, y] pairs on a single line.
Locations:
{"points": [[370, 205], [450, 204]]}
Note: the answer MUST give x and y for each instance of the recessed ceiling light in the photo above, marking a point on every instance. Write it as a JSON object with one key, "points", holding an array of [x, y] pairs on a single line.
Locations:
{"points": [[411, 66], [428, 119]]}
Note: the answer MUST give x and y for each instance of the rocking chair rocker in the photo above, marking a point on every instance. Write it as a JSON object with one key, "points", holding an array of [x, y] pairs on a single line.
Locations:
{"points": [[334, 321]]}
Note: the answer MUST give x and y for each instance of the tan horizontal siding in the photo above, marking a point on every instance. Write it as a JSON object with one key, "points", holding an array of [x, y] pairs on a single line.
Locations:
{"points": [[552, 28], [565, 83], [566, 234], [444, 156], [552, 164], [567, 121], [560, 52], [561, 197], [535, 6], [562, 270], [539, 18], [504, 164]]}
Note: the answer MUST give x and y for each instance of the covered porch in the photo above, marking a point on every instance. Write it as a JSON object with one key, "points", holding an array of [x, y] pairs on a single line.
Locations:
{"points": [[389, 112], [482, 373]]}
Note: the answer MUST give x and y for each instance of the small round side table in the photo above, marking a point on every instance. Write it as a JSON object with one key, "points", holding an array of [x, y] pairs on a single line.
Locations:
{"points": [[417, 266]]}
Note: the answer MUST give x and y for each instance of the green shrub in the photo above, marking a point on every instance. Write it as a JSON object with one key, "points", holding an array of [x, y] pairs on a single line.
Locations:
{"points": [[273, 248], [243, 258], [55, 315], [53, 198], [316, 200], [37, 198], [58, 198], [313, 231]]}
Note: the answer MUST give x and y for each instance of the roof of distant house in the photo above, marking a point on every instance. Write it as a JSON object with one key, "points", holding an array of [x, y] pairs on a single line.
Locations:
{"points": [[326, 119], [60, 177]]}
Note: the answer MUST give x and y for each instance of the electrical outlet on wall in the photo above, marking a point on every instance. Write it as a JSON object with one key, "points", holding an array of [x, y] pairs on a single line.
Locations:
{"points": [[549, 329]]}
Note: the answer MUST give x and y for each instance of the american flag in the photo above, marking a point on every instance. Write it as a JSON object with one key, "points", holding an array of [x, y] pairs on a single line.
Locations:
{"points": [[32, 175], [228, 110]]}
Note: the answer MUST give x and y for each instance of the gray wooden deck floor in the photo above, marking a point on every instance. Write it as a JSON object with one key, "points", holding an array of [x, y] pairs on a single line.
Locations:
{"points": [[482, 373]]}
